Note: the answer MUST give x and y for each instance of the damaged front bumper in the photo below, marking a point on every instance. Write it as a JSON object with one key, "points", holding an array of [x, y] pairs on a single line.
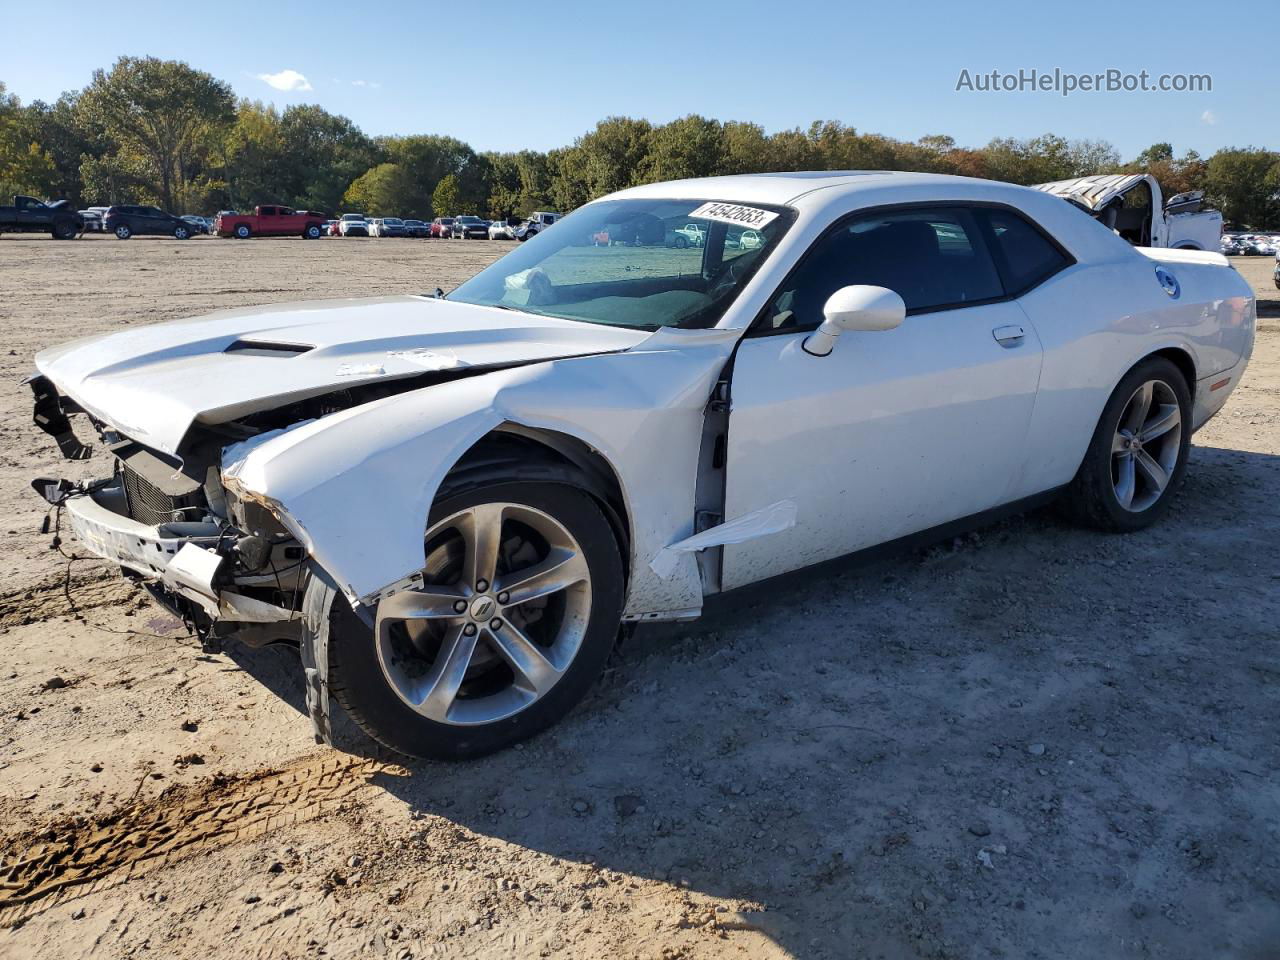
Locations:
{"points": [[190, 559]]}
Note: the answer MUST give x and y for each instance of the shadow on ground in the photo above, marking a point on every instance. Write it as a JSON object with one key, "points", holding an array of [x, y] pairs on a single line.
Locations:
{"points": [[1031, 735]]}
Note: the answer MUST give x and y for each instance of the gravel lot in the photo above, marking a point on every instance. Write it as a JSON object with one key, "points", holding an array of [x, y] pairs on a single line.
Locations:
{"points": [[1032, 741]]}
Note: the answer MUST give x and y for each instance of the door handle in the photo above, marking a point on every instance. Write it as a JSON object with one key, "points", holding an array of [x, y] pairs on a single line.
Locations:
{"points": [[1009, 336]]}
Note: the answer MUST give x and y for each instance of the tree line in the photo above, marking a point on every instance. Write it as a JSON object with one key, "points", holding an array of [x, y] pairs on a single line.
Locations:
{"points": [[160, 132]]}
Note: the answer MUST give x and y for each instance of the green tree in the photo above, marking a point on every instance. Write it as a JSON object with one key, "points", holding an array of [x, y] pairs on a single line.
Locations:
{"points": [[25, 167], [253, 160], [692, 146], [386, 190], [1245, 185], [1046, 158], [163, 111], [446, 197], [323, 153]]}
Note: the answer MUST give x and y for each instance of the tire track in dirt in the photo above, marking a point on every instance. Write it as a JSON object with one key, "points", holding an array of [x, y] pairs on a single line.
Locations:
{"points": [[74, 858]]}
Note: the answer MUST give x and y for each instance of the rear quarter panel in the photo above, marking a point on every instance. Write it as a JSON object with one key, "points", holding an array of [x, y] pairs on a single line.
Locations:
{"points": [[1097, 320]]}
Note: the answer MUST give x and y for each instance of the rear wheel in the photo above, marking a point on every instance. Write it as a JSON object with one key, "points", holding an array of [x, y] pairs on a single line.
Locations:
{"points": [[1138, 453], [517, 612], [242, 231], [123, 232]]}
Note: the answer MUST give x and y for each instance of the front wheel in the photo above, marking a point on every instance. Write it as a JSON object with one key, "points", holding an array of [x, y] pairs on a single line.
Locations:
{"points": [[516, 614], [65, 230], [181, 233], [1138, 453], [312, 232]]}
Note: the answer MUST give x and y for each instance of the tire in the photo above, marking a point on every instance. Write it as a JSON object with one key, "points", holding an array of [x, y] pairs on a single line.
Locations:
{"points": [[181, 233], [471, 725], [65, 230], [681, 242], [1096, 495], [242, 231], [312, 232], [123, 232]]}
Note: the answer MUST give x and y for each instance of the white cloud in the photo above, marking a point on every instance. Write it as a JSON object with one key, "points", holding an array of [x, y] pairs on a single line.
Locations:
{"points": [[372, 84], [286, 80], [1209, 117]]}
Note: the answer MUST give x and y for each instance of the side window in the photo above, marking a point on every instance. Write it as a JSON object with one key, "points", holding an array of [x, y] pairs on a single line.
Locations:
{"points": [[1024, 254], [932, 258]]}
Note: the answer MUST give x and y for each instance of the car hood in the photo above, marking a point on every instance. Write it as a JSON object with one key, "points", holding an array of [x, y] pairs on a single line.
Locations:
{"points": [[152, 383]]}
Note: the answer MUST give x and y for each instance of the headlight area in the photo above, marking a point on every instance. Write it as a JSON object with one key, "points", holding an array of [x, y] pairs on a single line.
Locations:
{"points": [[220, 561]]}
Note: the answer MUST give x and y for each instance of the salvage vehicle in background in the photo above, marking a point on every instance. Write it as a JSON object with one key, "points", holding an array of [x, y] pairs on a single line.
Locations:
{"points": [[442, 227], [504, 229], [130, 220], [94, 218], [29, 215], [1132, 206], [198, 224], [536, 222], [453, 503], [416, 228], [271, 221]]}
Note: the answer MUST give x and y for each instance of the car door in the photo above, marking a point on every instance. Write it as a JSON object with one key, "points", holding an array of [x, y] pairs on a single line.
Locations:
{"points": [[155, 221], [895, 431]]}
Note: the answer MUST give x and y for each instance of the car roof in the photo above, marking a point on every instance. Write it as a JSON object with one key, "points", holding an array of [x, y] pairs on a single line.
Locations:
{"points": [[821, 195], [778, 188]]}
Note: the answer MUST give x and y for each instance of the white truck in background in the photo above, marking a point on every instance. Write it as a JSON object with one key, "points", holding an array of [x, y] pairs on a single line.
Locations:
{"points": [[1133, 206]]}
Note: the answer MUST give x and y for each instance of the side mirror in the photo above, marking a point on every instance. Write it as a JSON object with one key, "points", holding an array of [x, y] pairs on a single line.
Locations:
{"points": [[858, 307]]}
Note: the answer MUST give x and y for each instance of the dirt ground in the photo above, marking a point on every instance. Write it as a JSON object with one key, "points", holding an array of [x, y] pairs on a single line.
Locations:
{"points": [[1029, 742]]}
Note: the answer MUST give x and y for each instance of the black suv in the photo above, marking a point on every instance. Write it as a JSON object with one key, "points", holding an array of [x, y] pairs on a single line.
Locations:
{"points": [[470, 228], [126, 221]]}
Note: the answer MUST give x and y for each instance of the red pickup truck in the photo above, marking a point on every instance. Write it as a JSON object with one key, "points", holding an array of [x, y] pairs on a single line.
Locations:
{"points": [[270, 222]]}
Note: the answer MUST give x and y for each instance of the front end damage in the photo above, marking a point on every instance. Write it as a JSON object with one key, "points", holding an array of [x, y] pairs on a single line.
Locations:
{"points": [[222, 564]]}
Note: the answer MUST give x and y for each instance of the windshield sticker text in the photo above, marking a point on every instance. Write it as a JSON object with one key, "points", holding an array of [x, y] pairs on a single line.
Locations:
{"points": [[735, 214]]}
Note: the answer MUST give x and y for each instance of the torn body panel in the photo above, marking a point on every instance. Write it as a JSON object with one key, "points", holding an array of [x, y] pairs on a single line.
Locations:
{"points": [[384, 461]]}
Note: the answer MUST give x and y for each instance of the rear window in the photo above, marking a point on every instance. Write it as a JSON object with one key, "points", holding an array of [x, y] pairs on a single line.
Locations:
{"points": [[1024, 254]]}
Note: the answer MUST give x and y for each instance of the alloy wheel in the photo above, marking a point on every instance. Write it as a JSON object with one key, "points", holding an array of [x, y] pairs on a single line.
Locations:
{"points": [[1146, 446], [498, 618]]}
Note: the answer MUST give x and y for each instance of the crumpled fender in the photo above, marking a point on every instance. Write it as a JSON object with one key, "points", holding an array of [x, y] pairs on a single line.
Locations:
{"points": [[356, 487]]}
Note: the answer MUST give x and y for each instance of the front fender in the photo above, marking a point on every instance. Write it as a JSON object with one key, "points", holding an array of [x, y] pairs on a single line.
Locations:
{"points": [[356, 487]]}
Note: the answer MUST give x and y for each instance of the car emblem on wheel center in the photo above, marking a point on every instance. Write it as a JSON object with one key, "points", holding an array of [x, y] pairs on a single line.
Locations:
{"points": [[481, 608]]}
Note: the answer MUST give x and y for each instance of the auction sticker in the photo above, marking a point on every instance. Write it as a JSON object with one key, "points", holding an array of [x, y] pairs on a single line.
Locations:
{"points": [[734, 213]]}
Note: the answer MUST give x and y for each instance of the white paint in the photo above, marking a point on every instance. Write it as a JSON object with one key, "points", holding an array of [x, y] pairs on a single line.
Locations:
{"points": [[152, 382], [894, 431], [759, 523]]}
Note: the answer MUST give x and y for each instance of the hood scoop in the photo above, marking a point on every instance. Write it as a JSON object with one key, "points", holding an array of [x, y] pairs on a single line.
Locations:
{"points": [[268, 348]]}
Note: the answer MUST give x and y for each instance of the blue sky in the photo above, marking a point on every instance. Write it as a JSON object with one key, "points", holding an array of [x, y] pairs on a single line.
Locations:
{"points": [[508, 75]]}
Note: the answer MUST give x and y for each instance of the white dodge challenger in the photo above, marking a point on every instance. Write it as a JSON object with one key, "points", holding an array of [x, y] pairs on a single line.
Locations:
{"points": [[451, 503]]}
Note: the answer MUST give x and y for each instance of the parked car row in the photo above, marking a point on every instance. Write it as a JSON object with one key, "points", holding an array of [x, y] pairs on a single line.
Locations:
{"points": [[271, 220], [1250, 244], [461, 227]]}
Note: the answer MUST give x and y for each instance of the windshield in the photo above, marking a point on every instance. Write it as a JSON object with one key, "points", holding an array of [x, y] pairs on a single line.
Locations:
{"points": [[352, 216], [468, 220], [633, 263], [392, 220]]}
